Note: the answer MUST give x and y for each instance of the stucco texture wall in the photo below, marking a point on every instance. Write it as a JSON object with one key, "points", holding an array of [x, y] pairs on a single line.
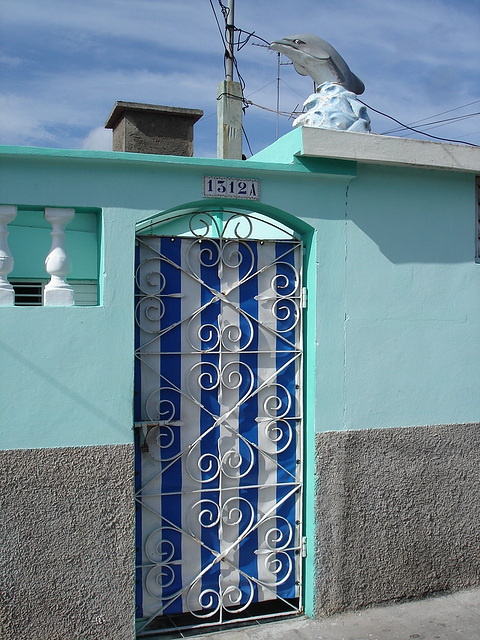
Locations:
{"points": [[397, 514], [67, 556]]}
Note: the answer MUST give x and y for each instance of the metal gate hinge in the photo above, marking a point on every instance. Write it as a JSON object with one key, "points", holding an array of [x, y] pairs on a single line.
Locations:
{"points": [[304, 547], [144, 427], [304, 297]]}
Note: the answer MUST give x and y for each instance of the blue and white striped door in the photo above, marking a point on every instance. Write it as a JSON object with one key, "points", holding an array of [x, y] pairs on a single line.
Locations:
{"points": [[218, 416]]}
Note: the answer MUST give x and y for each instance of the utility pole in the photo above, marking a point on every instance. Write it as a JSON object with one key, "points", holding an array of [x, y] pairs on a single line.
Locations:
{"points": [[230, 39], [229, 100], [278, 94]]}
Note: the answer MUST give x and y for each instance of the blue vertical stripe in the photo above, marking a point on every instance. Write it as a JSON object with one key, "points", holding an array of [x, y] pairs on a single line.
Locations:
{"points": [[248, 412], [170, 368]]}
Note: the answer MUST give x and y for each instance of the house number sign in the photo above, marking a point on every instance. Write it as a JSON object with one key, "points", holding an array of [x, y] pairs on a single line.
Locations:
{"points": [[221, 187]]}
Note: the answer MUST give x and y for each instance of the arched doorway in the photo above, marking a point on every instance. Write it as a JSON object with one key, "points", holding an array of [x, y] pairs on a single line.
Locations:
{"points": [[218, 414]]}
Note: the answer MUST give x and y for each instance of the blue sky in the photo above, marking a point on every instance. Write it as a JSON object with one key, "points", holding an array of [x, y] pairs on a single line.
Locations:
{"points": [[65, 63]]}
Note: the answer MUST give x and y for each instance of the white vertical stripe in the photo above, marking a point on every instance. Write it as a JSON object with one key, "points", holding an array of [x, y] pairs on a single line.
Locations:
{"points": [[266, 369], [191, 549], [228, 443]]}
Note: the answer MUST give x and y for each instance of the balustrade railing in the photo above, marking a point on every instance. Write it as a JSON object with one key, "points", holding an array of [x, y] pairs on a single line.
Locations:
{"points": [[57, 263]]}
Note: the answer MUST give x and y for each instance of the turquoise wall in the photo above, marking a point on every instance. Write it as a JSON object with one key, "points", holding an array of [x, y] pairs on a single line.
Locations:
{"points": [[67, 373], [392, 327], [66, 377], [412, 299]]}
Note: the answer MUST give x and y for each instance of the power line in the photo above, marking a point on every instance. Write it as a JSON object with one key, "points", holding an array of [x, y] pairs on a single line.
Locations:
{"points": [[286, 114], [416, 130], [435, 115], [246, 138], [292, 89], [261, 88], [220, 32], [472, 133], [218, 25], [435, 124], [225, 10], [251, 34]]}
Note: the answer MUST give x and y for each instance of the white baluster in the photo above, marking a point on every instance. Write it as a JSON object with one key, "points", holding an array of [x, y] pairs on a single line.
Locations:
{"points": [[57, 292], [7, 294]]}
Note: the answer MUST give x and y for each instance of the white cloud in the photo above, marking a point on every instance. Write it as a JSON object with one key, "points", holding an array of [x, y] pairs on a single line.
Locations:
{"points": [[98, 139], [10, 61], [21, 125], [165, 24]]}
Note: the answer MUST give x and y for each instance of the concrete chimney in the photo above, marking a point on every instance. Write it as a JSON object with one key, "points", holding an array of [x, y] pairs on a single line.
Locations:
{"points": [[150, 128]]}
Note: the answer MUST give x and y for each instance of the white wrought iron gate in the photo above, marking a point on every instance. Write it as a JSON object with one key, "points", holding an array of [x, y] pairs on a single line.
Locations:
{"points": [[219, 424]]}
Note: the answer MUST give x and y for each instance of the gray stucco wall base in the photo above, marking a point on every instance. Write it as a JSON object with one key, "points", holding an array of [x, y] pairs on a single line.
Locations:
{"points": [[67, 556], [397, 514]]}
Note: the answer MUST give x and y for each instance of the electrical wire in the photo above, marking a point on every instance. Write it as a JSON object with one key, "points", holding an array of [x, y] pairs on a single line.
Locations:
{"points": [[286, 114], [261, 88], [241, 43], [221, 34], [292, 89], [435, 124], [251, 34], [246, 138], [224, 9], [218, 25], [423, 133], [435, 115]]}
